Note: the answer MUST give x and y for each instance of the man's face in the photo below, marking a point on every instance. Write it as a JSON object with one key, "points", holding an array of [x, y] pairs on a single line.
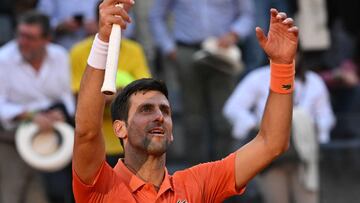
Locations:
{"points": [[31, 41], [149, 123]]}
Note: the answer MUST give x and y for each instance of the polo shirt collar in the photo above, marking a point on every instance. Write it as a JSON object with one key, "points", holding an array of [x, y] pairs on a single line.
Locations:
{"points": [[166, 184], [135, 182]]}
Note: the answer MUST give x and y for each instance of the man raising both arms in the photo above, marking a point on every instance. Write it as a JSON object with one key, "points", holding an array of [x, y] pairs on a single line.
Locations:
{"points": [[142, 120]]}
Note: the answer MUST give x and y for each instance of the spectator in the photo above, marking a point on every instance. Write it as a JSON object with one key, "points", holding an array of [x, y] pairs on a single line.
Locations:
{"points": [[202, 97], [34, 79]]}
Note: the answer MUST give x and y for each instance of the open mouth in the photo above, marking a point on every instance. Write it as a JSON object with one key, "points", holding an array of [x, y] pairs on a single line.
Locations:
{"points": [[157, 132]]}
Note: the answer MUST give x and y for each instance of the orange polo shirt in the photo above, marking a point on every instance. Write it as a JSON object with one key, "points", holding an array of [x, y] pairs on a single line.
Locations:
{"points": [[209, 182]]}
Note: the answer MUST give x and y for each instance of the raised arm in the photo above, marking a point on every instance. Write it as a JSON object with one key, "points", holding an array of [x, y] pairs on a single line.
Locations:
{"points": [[89, 148], [273, 138]]}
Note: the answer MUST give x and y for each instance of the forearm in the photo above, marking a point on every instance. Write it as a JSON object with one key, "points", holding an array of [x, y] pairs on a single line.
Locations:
{"points": [[91, 103], [276, 123], [271, 141]]}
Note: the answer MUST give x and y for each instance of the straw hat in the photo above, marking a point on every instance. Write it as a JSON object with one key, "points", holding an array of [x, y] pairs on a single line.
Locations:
{"points": [[50, 151]]}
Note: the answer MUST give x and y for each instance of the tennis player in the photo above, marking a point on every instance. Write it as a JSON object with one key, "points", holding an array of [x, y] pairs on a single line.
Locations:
{"points": [[142, 120]]}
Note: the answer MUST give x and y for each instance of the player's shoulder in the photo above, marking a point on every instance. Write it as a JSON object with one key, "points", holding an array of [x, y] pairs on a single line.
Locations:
{"points": [[182, 178]]}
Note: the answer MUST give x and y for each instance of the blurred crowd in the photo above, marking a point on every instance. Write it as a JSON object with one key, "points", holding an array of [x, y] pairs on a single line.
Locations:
{"points": [[217, 97]]}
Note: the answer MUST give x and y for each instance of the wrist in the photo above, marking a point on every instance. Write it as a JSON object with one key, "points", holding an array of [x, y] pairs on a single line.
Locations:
{"points": [[282, 61], [103, 38], [282, 77], [98, 54]]}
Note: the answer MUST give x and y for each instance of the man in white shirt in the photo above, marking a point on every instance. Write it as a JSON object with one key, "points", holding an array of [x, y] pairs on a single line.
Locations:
{"points": [[244, 110], [35, 78]]}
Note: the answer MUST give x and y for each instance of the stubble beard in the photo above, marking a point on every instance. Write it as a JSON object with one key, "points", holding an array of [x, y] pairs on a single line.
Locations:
{"points": [[155, 148], [148, 144]]}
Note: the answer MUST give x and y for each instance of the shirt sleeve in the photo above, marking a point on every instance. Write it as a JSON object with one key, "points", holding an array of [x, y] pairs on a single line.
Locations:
{"points": [[8, 110], [96, 191], [217, 179]]}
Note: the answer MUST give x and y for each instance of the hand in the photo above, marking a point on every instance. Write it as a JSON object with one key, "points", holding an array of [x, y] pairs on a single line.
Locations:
{"points": [[172, 55], [350, 78], [24, 116], [109, 14], [281, 43], [55, 115], [228, 40], [44, 122]]}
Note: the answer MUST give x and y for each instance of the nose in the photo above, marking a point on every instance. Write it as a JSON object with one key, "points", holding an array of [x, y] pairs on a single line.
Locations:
{"points": [[159, 117]]}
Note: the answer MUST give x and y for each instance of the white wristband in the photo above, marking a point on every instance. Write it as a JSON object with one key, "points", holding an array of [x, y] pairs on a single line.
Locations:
{"points": [[98, 54]]}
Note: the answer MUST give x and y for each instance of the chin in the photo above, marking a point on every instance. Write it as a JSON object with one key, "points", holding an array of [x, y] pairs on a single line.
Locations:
{"points": [[156, 153], [157, 148]]}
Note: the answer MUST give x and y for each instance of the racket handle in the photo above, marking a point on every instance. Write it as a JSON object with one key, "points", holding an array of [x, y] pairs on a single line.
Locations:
{"points": [[109, 84]]}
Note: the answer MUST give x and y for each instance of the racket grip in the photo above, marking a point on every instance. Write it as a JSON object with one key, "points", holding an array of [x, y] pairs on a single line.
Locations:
{"points": [[109, 84]]}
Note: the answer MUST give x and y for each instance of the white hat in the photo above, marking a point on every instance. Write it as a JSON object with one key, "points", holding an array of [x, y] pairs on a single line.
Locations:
{"points": [[48, 152]]}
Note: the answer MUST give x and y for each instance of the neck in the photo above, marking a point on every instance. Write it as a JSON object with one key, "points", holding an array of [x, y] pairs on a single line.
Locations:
{"points": [[36, 59], [149, 168], [36, 64]]}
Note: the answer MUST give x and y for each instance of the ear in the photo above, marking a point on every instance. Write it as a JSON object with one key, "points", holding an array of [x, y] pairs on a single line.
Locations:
{"points": [[120, 129]]}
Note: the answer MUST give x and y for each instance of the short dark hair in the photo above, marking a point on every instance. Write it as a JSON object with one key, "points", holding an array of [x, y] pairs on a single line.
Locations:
{"points": [[121, 104], [34, 17]]}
